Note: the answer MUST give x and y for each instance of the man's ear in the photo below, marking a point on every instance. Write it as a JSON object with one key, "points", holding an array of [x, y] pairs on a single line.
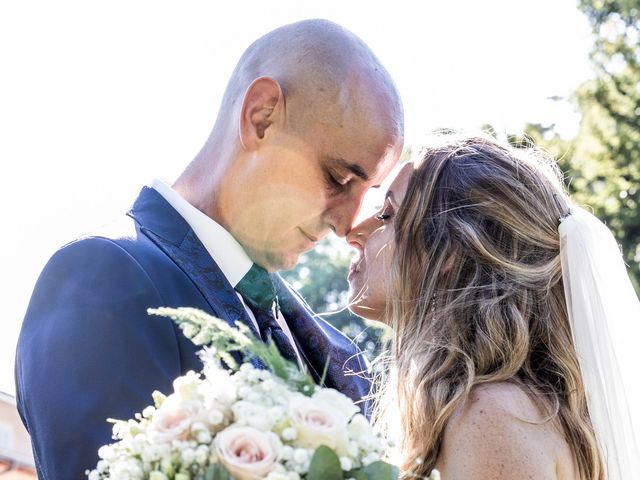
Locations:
{"points": [[262, 106]]}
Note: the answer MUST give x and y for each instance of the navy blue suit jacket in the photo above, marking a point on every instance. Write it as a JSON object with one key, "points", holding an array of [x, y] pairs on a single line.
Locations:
{"points": [[88, 351]]}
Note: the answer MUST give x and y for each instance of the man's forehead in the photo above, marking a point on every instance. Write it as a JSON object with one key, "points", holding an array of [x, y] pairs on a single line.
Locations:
{"points": [[386, 163], [395, 174]]}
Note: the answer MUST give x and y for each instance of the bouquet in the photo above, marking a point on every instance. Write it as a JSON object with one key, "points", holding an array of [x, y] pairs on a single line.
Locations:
{"points": [[264, 419]]}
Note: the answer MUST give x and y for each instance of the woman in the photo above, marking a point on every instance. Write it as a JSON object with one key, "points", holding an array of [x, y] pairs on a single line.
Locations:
{"points": [[464, 261]]}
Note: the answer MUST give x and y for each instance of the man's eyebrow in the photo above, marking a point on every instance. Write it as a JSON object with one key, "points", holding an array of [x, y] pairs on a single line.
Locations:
{"points": [[354, 168]]}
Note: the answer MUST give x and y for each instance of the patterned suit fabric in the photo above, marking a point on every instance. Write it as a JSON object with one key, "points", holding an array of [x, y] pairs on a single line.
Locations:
{"points": [[88, 351]]}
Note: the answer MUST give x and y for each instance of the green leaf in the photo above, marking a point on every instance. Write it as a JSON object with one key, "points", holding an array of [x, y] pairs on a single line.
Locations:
{"points": [[325, 465], [223, 338], [376, 471], [356, 474], [217, 472]]}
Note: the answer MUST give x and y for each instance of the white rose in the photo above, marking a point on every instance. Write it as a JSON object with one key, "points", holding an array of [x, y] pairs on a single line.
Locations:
{"points": [[247, 453], [187, 385], [360, 427], [173, 420], [338, 401], [318, 423]]}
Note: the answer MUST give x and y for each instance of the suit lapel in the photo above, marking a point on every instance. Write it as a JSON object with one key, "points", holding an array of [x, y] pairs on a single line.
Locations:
{"points": [[171, 233], [320, 343], [317, 341]]}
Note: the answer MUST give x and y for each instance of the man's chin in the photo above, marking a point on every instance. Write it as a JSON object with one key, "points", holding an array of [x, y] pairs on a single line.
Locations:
{"points": [[276, 261], [288, 262]]}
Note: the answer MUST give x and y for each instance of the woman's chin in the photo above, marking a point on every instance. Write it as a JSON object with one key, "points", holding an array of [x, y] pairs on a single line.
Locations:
{"points": [[360, 301], [365, 311]]}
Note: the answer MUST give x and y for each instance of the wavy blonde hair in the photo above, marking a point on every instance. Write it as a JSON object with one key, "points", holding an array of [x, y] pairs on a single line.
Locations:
{"points": [[477, 295]]}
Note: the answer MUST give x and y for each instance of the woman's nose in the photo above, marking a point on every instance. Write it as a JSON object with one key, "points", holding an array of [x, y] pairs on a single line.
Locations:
{"points": [[357, 236]]}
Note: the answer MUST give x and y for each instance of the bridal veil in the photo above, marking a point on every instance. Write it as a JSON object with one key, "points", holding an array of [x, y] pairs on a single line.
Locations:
{"points": [[604, 313]]}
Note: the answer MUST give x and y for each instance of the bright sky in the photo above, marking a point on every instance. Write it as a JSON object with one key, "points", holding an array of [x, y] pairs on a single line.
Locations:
{"points": [[97, 98]]}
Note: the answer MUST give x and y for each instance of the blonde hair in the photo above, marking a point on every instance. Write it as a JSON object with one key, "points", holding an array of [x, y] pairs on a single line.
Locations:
{"points": [[477, 295]]}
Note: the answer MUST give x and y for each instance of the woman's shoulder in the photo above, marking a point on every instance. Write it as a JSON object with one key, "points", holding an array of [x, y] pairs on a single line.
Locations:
{"points": [[500, 407], [502, 399], [501, 432]]}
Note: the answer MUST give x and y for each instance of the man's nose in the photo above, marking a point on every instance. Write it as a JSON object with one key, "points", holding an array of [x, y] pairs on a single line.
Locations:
{"points": [[344, 212]]}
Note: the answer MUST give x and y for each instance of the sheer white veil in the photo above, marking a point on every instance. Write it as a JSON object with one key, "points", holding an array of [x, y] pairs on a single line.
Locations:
{"points": [[604, 313]]}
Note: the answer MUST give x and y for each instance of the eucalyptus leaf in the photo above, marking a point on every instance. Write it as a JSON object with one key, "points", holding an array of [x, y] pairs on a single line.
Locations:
{"points": [[356, 474], [325, 465], [217, 472], [380, 471]]}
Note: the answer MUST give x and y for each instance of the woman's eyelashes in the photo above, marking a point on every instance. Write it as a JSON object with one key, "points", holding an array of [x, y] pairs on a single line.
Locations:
{"points": [[386, 214]]}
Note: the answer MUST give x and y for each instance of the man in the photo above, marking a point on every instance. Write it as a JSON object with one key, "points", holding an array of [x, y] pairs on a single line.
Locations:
{"points": [[309, 121]]}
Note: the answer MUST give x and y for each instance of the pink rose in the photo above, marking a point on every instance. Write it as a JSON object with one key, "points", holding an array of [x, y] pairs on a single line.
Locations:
{"points": [[173, 420], [247, 453]]}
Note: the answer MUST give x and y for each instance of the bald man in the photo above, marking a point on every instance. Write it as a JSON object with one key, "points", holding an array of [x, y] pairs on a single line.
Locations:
{"points": [[310, 121]]}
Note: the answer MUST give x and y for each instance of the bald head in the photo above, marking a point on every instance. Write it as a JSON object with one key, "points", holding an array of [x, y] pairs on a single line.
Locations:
{"points": [[310, 120], [323, 70]]}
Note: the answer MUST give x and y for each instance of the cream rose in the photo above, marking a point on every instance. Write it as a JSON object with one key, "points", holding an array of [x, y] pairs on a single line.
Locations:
{"points": [[173, 420], [317, 423], [338, 401], [187, 385], [247, 453]]}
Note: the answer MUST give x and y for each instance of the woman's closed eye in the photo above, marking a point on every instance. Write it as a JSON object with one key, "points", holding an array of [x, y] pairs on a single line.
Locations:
{"points": [[385, 214]]}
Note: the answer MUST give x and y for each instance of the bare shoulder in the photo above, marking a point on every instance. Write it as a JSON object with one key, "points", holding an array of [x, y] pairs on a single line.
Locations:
{"points": [[499, 432], [499, 399]]}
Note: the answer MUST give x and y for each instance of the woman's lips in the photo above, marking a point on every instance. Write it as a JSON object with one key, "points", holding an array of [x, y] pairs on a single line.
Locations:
{"points": [[354, 269]]}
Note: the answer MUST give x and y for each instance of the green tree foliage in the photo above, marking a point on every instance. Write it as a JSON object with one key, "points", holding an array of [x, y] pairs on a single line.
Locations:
{"points": [[602, 164], [321, 278], [607, 149]]}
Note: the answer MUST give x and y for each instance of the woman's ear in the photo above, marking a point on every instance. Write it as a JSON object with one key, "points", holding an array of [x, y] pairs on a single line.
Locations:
{"points": [[262, 107]]}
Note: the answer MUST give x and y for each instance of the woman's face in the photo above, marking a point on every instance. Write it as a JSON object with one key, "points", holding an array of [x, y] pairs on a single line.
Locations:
{"points": [[374, 239]]}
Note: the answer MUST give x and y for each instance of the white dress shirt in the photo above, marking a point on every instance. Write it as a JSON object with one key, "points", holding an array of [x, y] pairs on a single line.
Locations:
{"points": [[225, 250]]}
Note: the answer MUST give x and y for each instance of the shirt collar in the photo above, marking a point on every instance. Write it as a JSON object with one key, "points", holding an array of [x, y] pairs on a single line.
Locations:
{"points": [[225, 250]]}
